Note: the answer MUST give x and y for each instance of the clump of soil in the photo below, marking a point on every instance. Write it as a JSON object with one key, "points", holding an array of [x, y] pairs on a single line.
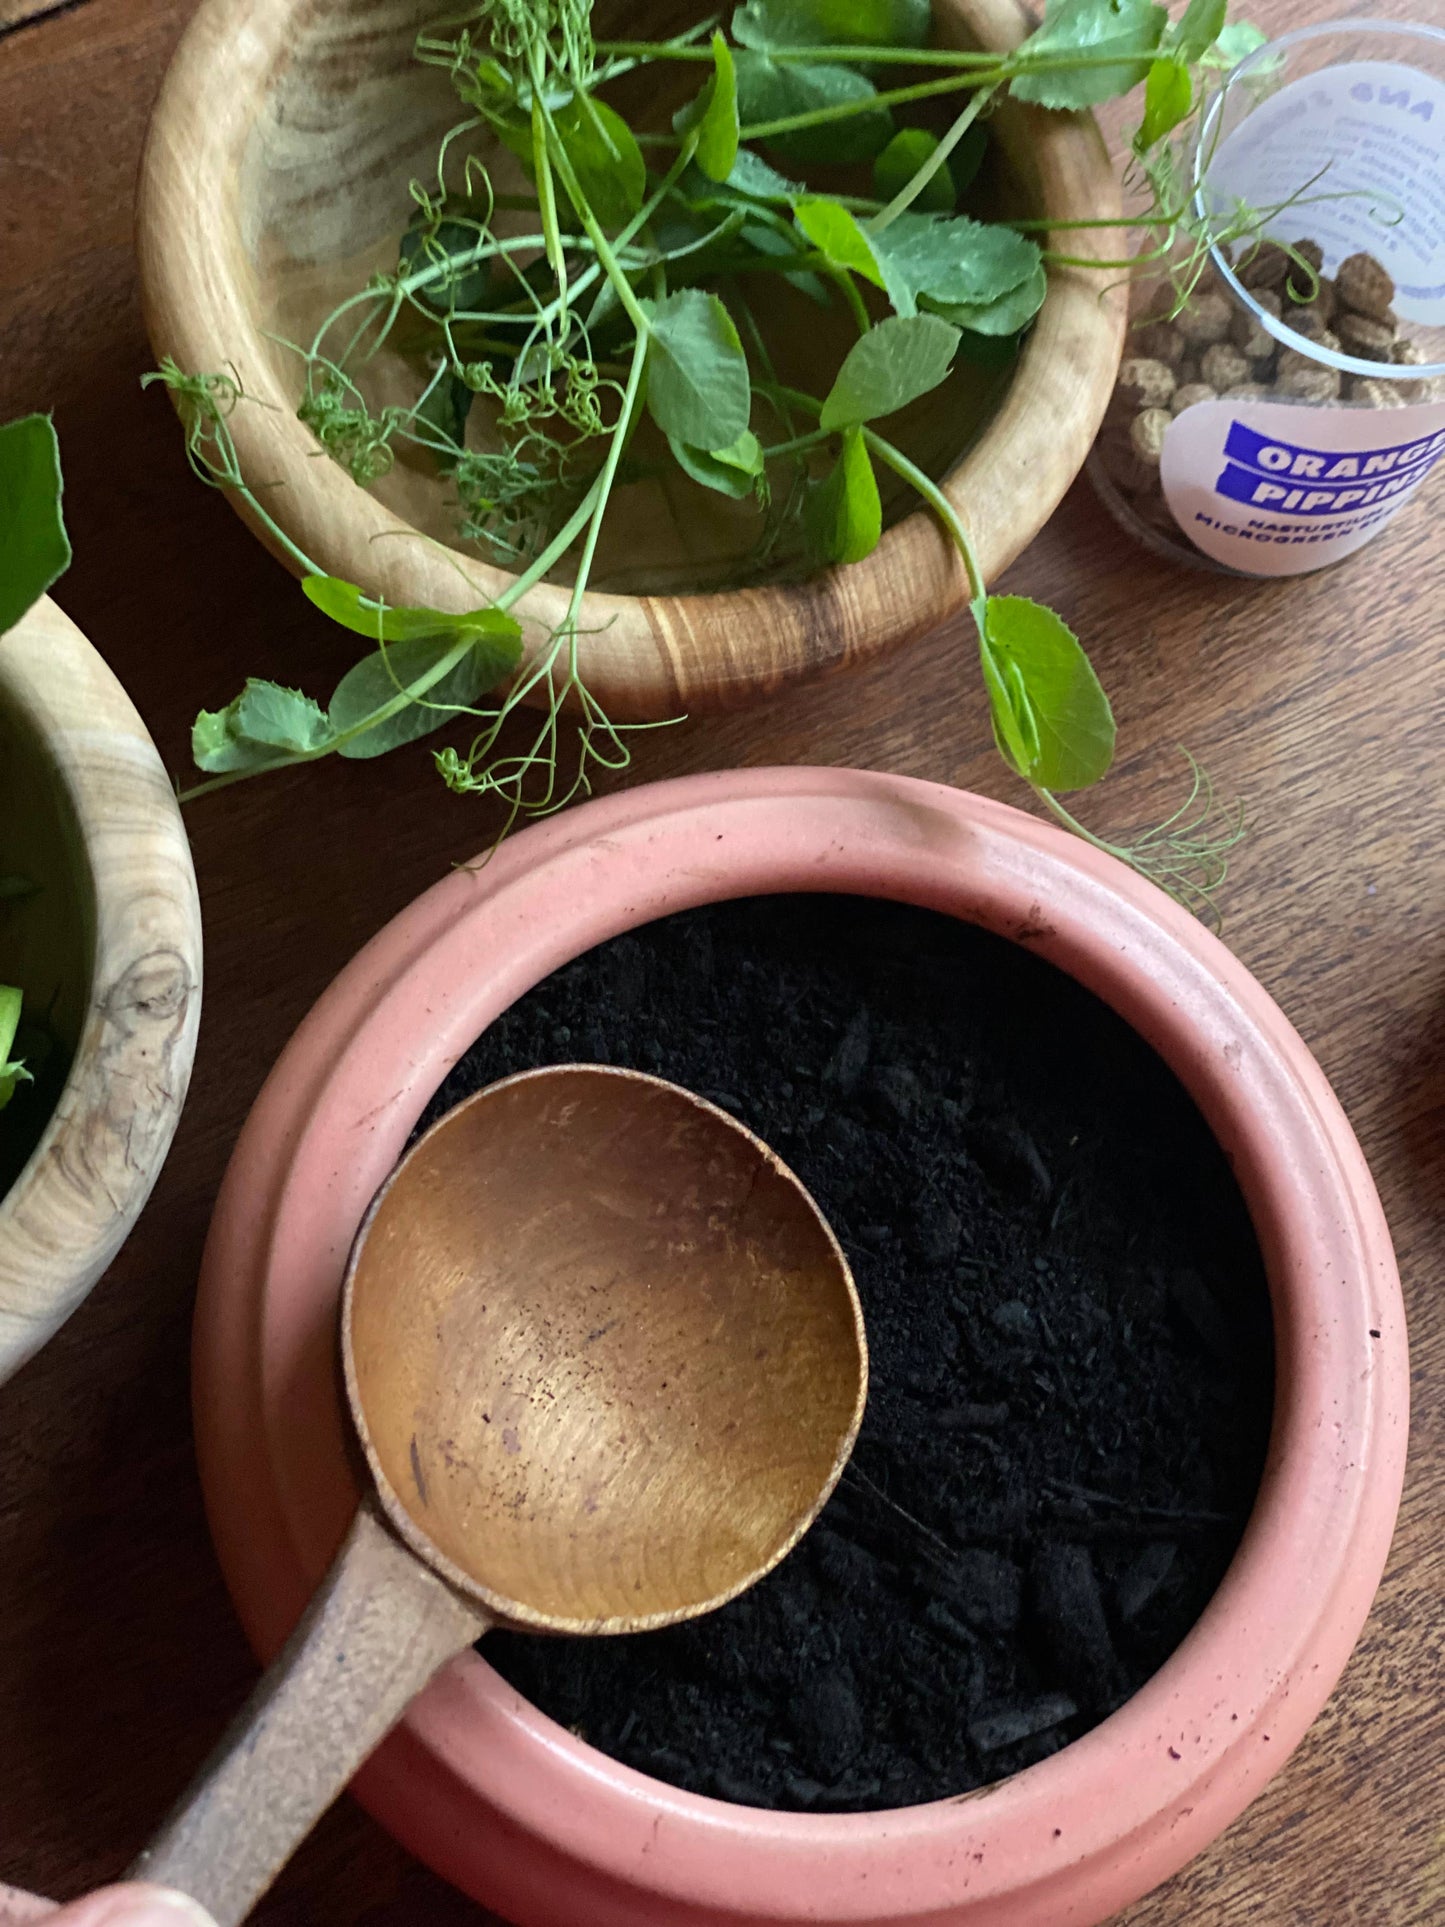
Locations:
{"points": [[1070, 1343]]}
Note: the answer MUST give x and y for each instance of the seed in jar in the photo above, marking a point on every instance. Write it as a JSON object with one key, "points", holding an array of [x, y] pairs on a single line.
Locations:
{"points": [[1263, 267], [1308, 322], [1190, 396], [1305, 269], [1147, 432], [1306, 380], [1205, 320], [1375, 393], [1144, 383], [1361, 334], [1133, 472], [1223, 366], [1247, 391], [1157, 341], [1321, 306], [1409, 354], [1248, 332], [1365, 286]]}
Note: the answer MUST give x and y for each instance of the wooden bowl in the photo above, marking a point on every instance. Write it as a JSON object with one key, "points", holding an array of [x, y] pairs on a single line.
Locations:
{"points": [[109, 947], [274, 183]]}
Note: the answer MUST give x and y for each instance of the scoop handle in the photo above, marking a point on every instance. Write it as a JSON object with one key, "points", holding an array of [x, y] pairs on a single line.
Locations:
{"points": [[381, 1625]]}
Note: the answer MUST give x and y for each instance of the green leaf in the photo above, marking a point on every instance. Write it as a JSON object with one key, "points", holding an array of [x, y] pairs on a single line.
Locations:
{"points": [[967, 157], [715, 114], [11, 1074], [1237, 42], [1003, 316], [603, 150], [751, 175], [769, 242], [443, 247], [380, 622], [698, 387], [843, 514], [1168, 97], [34, 548], [770, 90], [1199, 26], [445, 411], [833, 23], [895, 362], [1051, 716], [1126, 32], [834, 232], [379, 679], [901, 159], [987, 351], [279, 718], [955, 258], [734, 471], [837, 236], [265, 725]]}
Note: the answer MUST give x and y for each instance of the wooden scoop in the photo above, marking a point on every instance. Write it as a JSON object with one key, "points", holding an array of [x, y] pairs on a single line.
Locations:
{"points": [[606, 1363]]}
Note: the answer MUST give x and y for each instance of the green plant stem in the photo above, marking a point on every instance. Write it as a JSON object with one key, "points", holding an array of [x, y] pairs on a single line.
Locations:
{"points": [[613, 269], [774, 451], [272, 527], [546, 192], [660, 50], [514, 590], [604, 485], [846, 109], [1001, 70], [909, 472], [848, 288], [910, 191], [937, 501], [1070, 822]]}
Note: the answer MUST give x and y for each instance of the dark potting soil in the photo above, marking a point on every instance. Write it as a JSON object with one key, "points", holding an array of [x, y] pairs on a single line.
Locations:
{"points": [[1070, 1345]]}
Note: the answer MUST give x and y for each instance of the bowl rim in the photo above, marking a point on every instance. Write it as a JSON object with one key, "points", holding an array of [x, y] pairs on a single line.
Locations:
{"points": [[1115, 1812], [73, 1204], [665, 653]]}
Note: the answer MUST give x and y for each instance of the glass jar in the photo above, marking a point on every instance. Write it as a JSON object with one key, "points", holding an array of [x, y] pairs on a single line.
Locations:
{"points": [[1276, 417]]}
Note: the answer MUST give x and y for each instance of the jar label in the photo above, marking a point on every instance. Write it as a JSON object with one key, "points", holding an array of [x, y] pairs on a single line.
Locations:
{"points": [[1354, 158], [1278, 487]]}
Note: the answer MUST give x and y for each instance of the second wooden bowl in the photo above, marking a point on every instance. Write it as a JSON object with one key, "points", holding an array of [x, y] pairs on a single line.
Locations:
{"points": [[108, 953], [275, 182]]}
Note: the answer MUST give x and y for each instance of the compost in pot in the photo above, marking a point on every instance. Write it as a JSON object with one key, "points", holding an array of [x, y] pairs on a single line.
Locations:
{"points": [[1070, 1338]]}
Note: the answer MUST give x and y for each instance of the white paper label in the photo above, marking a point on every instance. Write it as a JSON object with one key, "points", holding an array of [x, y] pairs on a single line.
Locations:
{"points": [[1360, 150], [1277, 488]]}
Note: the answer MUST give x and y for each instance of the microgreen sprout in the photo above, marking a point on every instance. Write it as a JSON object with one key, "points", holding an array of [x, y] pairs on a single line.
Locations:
{"points": [[612, 315]]}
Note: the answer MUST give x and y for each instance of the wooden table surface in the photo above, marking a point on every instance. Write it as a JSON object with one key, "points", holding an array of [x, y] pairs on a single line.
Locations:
{"points": [[1316, 700]]}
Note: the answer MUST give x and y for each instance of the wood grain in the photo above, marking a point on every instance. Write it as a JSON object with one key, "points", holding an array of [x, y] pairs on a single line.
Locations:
{"points": [[1317, 700], [16, 13], [377, 1632], [657, 1244], [109, 948], [268, 195]]}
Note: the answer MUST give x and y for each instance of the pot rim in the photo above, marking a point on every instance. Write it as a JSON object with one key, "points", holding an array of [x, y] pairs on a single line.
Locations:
{"points": [[1077, 1835]]}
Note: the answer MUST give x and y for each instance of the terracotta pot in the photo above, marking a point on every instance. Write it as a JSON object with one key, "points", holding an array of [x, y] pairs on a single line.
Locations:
{"points": [[109, 947], [529, 1819], [274, 185]]}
